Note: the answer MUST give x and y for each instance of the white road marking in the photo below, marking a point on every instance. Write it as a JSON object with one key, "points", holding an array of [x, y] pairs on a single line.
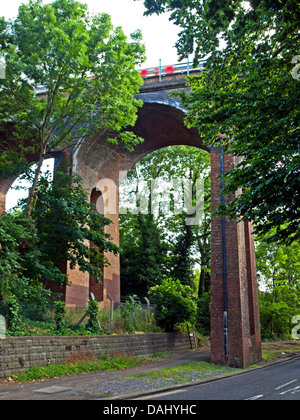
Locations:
{"points": [[292, 390], [163, 394], [256, 397], [288, 383]]}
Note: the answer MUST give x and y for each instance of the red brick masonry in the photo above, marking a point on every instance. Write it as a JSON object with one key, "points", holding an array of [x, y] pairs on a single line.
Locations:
{"points": [[161, 123]]}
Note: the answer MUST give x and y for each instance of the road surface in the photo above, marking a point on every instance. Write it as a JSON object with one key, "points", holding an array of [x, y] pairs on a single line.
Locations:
{"points": [[277, 382]]}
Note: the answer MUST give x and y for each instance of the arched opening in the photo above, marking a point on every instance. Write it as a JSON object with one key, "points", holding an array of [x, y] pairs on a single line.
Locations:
{"points": [[161, 123], [96, 284], [17, 188], [165, 221]]}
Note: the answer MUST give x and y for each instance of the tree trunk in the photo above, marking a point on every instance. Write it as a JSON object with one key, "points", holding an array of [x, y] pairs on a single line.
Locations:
{"points": [[201, 283], [30, 199]]}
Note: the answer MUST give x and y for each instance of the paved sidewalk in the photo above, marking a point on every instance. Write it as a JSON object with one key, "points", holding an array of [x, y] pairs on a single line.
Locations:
{"points": [[86, 386]]}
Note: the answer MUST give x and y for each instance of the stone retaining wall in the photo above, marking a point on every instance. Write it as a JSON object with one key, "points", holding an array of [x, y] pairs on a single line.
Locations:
{"points": [[17, 354]]}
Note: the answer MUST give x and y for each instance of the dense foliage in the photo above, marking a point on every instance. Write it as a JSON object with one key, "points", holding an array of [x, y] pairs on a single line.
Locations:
{"points": [[69, 74], [278, 274], [247, 98], [156, 241], [249, 92], [62, 225], [86, 69], [22, 268], [175, 303], [158, 246]]}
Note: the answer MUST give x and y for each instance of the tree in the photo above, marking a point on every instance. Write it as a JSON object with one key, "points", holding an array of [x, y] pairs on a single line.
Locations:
{"points": [[160, 244], [87, 72], [181, 261], [143, 249], [278, 274], [22, 268], [249, 92], [62, 225], [278, 264], [174, 302], [143, 254], [66, 224], [188, 244]]}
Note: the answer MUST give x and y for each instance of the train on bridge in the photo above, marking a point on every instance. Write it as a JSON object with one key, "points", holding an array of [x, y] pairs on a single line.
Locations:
{"points": [[159, 71], [171, 69]]}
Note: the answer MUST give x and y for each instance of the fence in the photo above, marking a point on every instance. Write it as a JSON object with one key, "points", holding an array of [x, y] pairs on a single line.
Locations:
{"points": [[130, 315]]}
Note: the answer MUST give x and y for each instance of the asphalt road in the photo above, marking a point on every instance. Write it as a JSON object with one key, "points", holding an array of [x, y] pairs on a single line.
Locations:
{"points": [[277, 382]]}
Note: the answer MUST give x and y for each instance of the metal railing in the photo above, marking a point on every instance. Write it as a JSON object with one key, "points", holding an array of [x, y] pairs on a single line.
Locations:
{"points": [[170, 69]]}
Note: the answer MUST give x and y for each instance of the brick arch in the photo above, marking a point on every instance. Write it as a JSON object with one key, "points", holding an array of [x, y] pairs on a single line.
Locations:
{"points": [[100, 164], [161, 123]]}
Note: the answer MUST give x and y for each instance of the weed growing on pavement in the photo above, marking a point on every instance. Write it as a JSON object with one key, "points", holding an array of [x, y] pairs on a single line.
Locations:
{"points": [[187, 372]]}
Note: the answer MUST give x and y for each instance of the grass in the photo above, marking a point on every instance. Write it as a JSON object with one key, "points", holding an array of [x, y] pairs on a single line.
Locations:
{"points": [[83, 363], [192, 371], [278, 350], [187, 372]]}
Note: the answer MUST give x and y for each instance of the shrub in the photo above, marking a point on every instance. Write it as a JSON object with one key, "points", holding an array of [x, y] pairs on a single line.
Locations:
{"points": [[175, 303], [203, 314], [14, 318], [93, 325], [59, 317]]}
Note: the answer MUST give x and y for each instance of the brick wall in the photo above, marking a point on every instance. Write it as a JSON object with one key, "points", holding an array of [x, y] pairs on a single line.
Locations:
{"points": [[17, 354]]}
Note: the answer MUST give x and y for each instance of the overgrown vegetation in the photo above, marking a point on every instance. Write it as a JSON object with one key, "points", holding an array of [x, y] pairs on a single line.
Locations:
{"points": [[156, 240], [159, 249], [24, 319], [35, 252], [73, 55], [247, 99], [174, 302], [81, 363], [278, 274]]}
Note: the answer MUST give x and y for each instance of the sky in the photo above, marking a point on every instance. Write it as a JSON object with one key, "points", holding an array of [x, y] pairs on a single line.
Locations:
{"points": [[159, 34]]}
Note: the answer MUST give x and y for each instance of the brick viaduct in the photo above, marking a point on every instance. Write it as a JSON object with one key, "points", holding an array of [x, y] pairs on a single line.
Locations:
{"points": [[235, 325]]}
